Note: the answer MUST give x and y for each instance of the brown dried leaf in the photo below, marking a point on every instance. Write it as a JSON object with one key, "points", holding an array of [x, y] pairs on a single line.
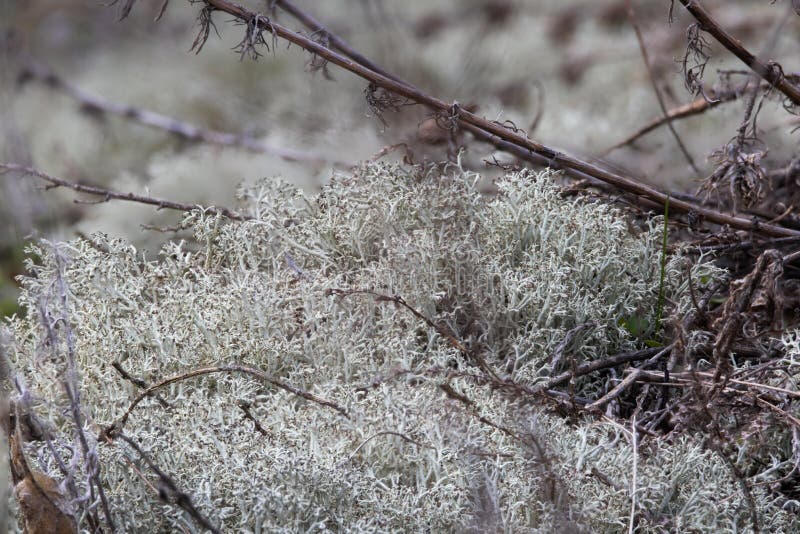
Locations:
{"points": [[41, 502]]}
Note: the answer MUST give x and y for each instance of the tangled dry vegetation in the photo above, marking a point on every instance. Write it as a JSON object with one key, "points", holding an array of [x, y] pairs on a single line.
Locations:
{"points": [[523, 340]]}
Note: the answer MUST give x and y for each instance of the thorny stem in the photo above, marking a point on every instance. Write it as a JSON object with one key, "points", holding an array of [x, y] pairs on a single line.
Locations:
{"points": [[489, 129], [337, 43]]}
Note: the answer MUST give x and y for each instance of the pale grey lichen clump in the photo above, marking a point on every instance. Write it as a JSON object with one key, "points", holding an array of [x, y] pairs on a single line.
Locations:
{"points": [[509, 274]]}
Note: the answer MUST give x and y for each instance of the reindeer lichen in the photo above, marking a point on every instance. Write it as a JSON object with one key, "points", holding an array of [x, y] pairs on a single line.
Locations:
{"points": [[307, 293]]}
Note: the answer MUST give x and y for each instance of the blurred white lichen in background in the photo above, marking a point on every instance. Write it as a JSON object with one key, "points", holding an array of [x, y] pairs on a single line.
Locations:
{"points": [[510, 275]]}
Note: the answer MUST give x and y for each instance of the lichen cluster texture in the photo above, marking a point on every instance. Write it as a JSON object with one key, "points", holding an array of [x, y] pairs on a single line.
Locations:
{"points": [[426, 442]]}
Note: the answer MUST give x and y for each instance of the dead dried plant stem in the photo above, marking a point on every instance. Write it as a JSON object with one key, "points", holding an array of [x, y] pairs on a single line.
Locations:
{"points": [[336, 42], [630, 379], [696, 107], [646, 58], [598, 365], [771, 72], [385, 433], [108, 194], [117, 425], [442, 331], [634, 474], [490, 129], [690, 377]]}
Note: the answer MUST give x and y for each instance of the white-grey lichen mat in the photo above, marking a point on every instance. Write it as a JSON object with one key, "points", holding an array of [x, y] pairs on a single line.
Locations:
{"points": [[510, 274]]}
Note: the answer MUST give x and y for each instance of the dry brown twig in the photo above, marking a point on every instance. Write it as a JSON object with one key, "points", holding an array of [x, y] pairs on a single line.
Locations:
{"points": [[347, 50], [630, 379], [483, 128], [687, 378], [441, 330], [336, 42], [384, 433], [245, 407], [715, 440], [108, 194], [168, 490], [764, 276], [738, 169], [138, 382], [114, 428], [598, 365], [696, 107], [646, 58], [491, 377]]}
